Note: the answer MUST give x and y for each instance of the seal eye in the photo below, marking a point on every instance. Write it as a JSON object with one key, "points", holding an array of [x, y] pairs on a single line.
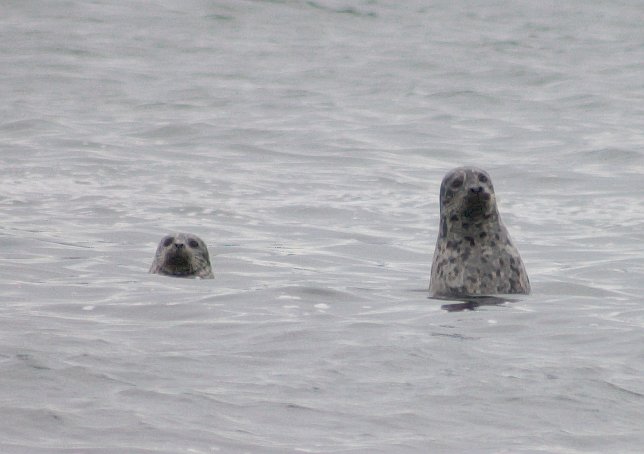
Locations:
{"points": [[457, 183], [168, 241], [193, 244], [483, 178]]}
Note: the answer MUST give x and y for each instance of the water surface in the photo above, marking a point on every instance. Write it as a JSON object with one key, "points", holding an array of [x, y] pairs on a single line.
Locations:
{"points": [[305, 142]]}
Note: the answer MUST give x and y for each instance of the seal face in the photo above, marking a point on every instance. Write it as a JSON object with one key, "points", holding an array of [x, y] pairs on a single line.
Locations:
{"points": [[182, 255], [474, 254]]}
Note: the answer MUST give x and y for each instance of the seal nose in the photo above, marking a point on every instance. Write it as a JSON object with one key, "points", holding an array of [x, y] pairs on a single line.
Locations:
{"points": [[477, 189], [179, 245]]}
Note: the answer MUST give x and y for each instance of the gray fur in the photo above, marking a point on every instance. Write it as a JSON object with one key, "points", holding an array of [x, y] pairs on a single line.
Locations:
{"points": [[474, 254], [182, 255]]}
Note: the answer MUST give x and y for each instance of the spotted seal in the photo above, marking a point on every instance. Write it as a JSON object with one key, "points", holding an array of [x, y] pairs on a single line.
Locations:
{"points": [[182, 255], [474, 254]]}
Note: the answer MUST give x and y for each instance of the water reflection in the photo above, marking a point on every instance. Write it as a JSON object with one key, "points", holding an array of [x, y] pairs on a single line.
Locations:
{"points": [[470, 303]]}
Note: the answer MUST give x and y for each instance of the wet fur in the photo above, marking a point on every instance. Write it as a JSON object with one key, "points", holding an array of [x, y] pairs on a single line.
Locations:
{"points": [[182, 255], [474, 254]]}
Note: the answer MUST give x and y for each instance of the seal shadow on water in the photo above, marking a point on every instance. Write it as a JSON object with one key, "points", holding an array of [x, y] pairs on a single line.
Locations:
{"points": [[470, 303]]}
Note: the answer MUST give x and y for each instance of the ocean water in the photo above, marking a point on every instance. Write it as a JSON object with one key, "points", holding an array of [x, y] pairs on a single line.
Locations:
{"points": [[305, 142]]}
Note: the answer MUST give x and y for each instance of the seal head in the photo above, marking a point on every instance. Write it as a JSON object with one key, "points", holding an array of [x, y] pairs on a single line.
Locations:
{"points": [[182, 255], [474, 254]]}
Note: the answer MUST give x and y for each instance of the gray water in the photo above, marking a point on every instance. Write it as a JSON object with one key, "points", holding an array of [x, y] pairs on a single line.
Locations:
{"points": [[305, 142]]}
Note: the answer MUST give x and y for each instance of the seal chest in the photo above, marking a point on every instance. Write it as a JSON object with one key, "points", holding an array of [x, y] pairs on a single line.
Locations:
{"points": [[182, 255], [474, 254]]}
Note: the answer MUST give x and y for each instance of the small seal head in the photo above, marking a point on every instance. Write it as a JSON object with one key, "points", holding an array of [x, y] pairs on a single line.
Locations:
{"points": [[474, 254], [182, 255]]}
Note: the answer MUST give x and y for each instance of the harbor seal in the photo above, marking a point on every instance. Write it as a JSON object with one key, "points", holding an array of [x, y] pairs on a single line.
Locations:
{"points": [[474, 254], [182, 255]]}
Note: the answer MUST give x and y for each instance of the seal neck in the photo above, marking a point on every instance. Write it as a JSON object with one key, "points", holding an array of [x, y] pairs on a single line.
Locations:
{"points": [[464, 225]]}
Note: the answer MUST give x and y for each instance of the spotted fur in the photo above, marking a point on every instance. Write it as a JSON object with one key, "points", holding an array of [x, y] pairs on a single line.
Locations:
{"points": [[474, 254], [182, 255]]}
